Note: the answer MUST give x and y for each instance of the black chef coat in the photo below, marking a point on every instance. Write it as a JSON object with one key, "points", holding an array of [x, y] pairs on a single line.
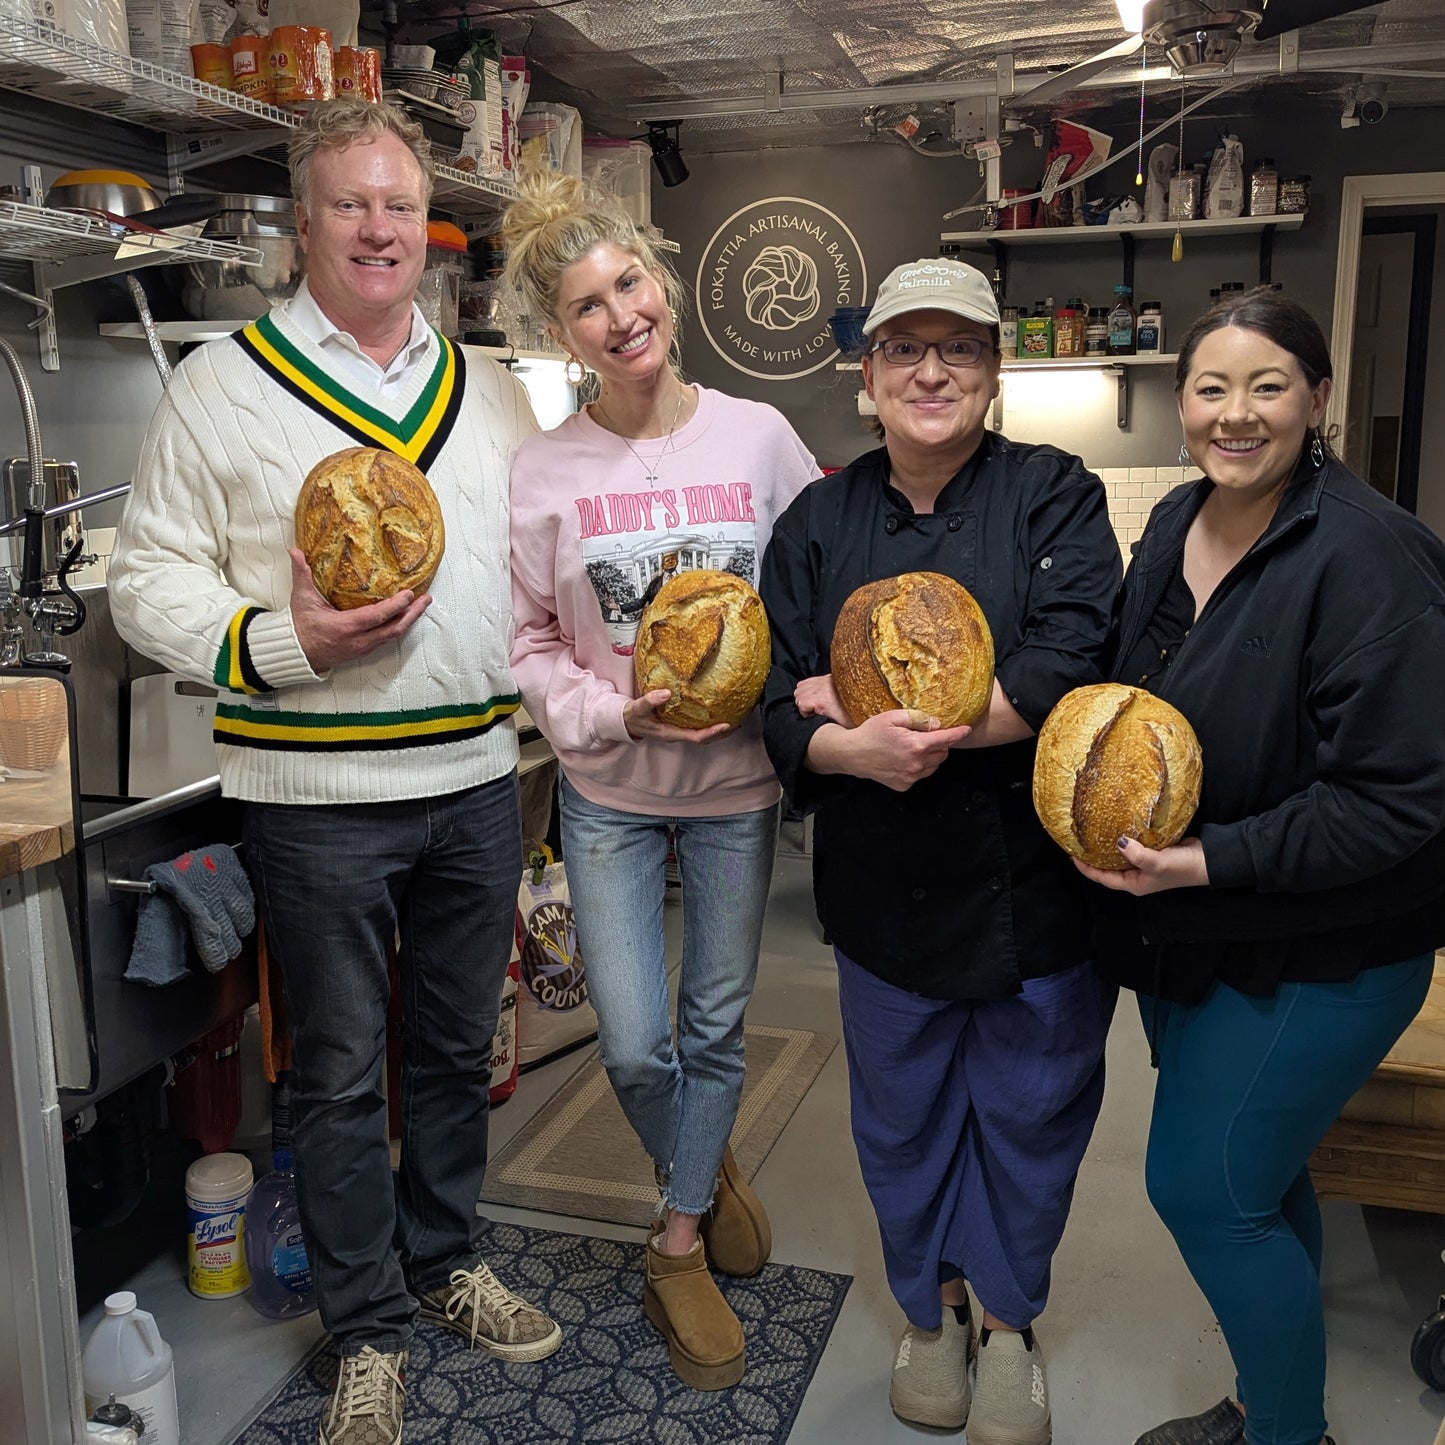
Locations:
{"points": [[951, 889]]}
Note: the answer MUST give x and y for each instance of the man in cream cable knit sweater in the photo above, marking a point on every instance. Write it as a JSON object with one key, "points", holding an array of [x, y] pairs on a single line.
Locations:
{"points": [[374, 749]]}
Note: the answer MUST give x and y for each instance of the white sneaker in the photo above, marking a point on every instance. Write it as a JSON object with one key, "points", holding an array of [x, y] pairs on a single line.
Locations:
{"points": [[1010, 1393], [930, 1373]]}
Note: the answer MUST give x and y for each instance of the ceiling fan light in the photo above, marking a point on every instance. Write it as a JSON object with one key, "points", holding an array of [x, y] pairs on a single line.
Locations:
{"points": [[1131, 15]]}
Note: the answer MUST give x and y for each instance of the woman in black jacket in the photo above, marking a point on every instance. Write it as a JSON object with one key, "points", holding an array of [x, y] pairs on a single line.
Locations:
{"points": [[1297, 619]]}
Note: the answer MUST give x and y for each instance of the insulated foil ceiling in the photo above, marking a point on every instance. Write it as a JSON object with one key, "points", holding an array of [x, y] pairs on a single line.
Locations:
{"points": [[605, 56]]}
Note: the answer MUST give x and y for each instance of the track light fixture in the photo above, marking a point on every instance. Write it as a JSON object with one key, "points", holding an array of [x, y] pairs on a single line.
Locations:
{"points": [[666, 155]]}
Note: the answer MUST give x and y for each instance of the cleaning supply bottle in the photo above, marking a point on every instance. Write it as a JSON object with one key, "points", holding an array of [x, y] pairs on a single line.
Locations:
{"points": [[125, 1359], [281, 1286]]}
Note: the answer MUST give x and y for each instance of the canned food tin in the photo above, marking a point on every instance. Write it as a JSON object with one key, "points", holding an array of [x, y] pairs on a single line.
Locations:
{"points": [[251, 75], [300, 61], [212, 64], [357, 70]]}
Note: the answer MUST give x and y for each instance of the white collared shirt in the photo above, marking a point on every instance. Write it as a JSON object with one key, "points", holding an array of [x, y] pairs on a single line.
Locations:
{"points": [[349, 364]]}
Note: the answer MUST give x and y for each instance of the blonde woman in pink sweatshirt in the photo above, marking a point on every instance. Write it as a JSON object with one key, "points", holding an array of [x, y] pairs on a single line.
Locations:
{"points": [[653, 477]]}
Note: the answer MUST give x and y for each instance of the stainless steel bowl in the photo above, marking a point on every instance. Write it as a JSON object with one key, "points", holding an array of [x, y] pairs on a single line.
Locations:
{"points": [[119, 192], [229, 291]]}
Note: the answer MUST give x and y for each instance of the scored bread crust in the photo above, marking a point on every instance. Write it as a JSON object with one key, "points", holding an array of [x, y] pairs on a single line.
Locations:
{"points": [[918, 641], [370, 526], [1115, 762], [705, 636]]}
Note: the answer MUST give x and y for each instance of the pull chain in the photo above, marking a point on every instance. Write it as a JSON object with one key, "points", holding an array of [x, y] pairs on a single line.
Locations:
{"points": [[1176, 251]]}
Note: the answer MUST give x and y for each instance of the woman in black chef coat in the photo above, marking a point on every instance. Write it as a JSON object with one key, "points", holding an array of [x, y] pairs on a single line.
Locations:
{"points": [[973, 1020], [1297, 619]]}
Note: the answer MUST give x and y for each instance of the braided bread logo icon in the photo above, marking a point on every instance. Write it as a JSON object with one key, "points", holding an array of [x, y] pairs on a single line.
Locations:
{"points": [[781, 288], [769, 282]]}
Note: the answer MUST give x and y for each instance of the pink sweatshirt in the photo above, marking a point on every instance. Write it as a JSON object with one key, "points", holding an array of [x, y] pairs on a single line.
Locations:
{"points": [[590, 531]]}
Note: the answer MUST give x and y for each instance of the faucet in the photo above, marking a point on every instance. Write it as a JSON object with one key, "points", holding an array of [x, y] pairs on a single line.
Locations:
{"points": [[50, 614]]}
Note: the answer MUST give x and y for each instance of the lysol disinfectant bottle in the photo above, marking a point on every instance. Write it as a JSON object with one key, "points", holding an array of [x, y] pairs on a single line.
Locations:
{"points": [[126, 1357], [281, 1286]]}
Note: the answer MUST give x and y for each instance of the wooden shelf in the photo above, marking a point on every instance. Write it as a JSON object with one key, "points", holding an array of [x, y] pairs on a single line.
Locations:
{"points": [[1142, 230]]}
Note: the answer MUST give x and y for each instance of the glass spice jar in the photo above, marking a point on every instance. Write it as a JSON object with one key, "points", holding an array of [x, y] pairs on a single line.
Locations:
{"points": [[1294, 195]]}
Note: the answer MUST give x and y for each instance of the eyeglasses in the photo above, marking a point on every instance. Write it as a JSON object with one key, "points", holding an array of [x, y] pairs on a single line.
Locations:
{"points": [[957, 351]]}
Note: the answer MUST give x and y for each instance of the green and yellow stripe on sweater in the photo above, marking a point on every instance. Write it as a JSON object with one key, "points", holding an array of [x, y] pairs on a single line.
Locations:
{"points": [[418, 436], [316, 732], [234, 669]]}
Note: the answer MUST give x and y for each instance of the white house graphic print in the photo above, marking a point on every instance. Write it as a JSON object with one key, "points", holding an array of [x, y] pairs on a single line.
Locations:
{"points": [[632, 542]]}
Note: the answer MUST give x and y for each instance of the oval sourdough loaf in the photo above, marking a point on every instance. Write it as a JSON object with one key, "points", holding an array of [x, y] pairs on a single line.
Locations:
{"points": [[370, 525], [1115, 762], [705, 636], [916, 641]]}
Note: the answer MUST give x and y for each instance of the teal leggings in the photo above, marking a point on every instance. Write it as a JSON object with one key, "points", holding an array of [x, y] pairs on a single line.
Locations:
{"points": [[1247, 1087]]}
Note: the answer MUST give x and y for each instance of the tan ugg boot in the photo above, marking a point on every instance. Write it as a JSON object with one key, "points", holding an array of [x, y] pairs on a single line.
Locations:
{"points": [[704, 1339], [736, 1230]]}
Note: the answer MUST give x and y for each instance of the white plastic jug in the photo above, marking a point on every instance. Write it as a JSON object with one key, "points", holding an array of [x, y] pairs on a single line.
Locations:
{"points": [[125, 1356]]}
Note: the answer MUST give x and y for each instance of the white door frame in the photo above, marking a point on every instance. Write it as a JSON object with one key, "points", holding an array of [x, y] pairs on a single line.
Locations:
{"points": [[1411, 188]]}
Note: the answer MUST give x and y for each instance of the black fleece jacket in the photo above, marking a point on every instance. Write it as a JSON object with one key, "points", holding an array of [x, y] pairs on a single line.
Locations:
{"points": [[1315, 680]]}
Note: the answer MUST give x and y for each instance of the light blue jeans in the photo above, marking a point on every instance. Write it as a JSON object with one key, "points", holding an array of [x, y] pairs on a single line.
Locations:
{"points": [[681, 1098]]}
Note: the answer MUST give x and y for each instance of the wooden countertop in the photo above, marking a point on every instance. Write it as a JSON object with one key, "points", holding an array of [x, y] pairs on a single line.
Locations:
{"points": [[1419, 1053], [37, 822]]}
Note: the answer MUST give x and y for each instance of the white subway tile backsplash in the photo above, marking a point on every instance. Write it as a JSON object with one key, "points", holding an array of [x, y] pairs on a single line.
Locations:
{"points": [[1132, 493]]}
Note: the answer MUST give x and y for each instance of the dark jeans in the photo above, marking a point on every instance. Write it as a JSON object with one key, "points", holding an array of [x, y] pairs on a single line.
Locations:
{"points": [[336, 883]]}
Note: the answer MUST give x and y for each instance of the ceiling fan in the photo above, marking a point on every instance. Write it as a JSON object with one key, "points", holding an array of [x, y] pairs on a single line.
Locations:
{"points": [[1199, 36]]}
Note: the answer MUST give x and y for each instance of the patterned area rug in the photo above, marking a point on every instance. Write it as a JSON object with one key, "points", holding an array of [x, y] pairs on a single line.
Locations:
{"points": [[579, 1157], [610, 1380]]}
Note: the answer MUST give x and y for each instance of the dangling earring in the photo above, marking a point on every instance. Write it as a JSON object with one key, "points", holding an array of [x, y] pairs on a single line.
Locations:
{"points": [[1185, 460], [575, 372], [1317, 450]]}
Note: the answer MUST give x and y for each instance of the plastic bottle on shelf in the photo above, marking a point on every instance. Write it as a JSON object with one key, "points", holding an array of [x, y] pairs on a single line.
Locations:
{"points": [[1121, 322], [1150, 333], [281, 1284], [126, 1359], [1069, 329], [1008, 333], [1096, 332]]}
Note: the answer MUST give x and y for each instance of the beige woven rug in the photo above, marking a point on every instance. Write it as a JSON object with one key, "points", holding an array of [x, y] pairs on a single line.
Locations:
{"points": [[578, 1156]]}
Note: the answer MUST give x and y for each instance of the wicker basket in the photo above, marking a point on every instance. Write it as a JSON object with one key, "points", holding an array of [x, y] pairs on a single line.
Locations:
{"points": [[33, 723]]}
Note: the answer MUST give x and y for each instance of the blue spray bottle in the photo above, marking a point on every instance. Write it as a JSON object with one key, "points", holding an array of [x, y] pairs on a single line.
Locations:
{"points": [[281, 1286]]}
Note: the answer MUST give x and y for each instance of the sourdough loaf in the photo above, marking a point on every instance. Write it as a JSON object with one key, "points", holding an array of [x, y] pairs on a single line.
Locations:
{"points": [[917, 641], [704, 636], [370, 525], [1115, 762]]}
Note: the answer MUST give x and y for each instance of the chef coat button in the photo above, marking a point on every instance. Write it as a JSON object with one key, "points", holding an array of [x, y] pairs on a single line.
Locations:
{"points": [[995, 885], [1046, 564], [919, 894], [891, 525], [954, 521]]}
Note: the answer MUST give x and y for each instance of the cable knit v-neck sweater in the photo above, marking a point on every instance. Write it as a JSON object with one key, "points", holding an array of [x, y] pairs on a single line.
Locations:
{"points": [[201, 578]]}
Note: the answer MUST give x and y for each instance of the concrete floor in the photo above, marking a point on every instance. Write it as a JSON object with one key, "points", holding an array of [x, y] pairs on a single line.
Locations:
{"points": [[1128, 1339]]}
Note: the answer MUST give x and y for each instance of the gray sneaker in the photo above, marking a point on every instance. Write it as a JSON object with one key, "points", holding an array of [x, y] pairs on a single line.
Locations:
{"points": [[475, 1303], [1010, 1393], [365, 1407], [930, 1373]]}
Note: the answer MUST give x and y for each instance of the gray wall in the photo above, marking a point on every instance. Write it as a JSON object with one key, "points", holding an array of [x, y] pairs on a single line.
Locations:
{"points": [[893, 199]]}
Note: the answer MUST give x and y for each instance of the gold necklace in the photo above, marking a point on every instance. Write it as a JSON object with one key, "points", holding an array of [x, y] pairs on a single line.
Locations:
{"points": [[650, 469]]}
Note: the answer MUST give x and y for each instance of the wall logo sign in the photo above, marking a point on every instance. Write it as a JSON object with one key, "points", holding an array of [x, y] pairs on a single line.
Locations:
{"points": [[768, 282]]}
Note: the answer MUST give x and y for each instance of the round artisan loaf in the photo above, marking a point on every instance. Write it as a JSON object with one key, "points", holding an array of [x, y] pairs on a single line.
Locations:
{"points": [[916, 641], [370, 525], [705, 636], [1115, 762]]}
